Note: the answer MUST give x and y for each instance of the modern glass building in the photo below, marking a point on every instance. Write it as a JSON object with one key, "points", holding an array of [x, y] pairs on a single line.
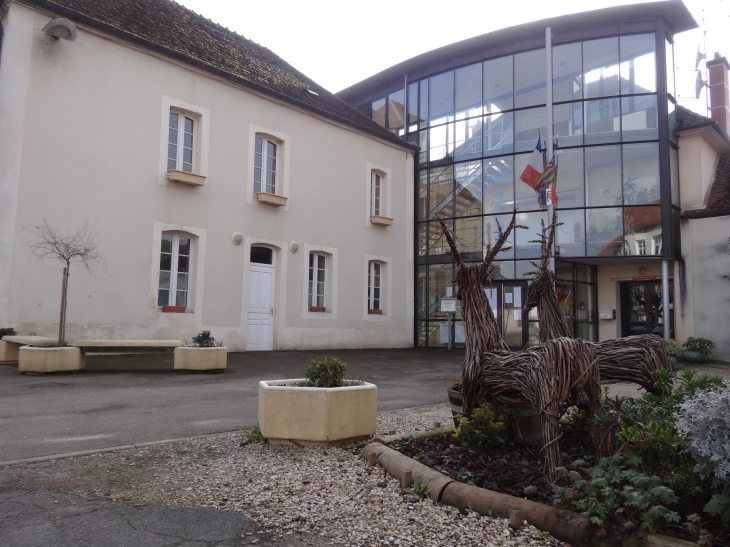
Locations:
{"points": [[476, 108]]}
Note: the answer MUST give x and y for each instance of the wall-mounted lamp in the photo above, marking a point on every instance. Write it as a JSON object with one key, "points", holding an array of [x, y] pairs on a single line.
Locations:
{"points": [[294, 246], [237, 238], [61, 27]]}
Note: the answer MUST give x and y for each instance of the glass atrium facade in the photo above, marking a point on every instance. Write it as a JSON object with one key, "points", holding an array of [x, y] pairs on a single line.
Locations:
{"points": [[477, 124]]}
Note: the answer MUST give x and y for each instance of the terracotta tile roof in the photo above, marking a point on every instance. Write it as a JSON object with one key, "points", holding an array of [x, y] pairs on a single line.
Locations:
{"points": [[718, 202], [169, 28]]}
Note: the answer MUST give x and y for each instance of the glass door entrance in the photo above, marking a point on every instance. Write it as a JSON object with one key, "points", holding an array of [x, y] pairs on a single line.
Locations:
{"points": [[506, 299], [642, 309]]}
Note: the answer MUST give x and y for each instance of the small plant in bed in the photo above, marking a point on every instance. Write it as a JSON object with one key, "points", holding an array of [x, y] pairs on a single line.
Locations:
{"points": [[325, 372], [484, 430], [206, 340]]}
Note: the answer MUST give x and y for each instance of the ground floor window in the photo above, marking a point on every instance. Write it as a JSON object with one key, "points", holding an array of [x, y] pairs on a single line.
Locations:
{"points": [[174, 287], [317, 272]]}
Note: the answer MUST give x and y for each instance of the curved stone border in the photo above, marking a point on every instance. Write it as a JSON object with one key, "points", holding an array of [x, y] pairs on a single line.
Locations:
{"points": [[560, 523]]}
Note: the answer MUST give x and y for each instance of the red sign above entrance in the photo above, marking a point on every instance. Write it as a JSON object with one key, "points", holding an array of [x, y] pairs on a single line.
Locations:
{"points": [[643, 278]]}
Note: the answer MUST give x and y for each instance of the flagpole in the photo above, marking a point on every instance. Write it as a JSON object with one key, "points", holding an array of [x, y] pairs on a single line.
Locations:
{"points": [[549, 106]]}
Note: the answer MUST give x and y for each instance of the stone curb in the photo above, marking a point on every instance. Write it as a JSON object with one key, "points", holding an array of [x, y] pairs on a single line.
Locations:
{"points": [[560, 523], [388, 439], [113, 448]]}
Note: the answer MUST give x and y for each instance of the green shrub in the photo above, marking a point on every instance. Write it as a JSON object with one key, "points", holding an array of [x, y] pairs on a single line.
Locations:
{"points": [[10, 331], [325, 372], [703, 345], [618, 495], [483, 430], [205, 340], [255, 435], [673, 348]]}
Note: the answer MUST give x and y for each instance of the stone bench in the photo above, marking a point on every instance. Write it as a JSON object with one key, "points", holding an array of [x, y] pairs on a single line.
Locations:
{"points": [[11, 344], [127, 346], [186, 358]]}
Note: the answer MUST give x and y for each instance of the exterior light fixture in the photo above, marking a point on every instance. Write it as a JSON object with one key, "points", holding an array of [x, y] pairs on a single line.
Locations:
{"points": [[237, 238], [294, 246], [60, 27]]}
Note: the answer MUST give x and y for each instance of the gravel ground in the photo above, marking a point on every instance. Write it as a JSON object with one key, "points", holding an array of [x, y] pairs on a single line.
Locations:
{"points": [[302, 496]]}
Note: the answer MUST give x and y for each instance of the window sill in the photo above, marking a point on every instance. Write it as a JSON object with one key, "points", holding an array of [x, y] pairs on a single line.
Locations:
{"points": [[186, 178], [174, 309], [381, 221], [318, 309], [375, 312], [271, 199]]}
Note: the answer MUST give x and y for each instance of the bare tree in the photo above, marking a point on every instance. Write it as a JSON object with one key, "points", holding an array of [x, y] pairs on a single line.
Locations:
{"points": [[81, 245]]}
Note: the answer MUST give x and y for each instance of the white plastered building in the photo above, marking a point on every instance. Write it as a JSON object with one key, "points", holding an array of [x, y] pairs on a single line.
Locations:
{"points": [[232, 194]]}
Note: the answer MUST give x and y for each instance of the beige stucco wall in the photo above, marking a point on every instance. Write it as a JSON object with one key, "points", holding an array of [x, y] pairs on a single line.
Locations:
{"points": [[697, 164], [90, 149], [703, 286]]}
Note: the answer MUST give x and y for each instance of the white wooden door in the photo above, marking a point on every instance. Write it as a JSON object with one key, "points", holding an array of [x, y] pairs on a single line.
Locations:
{"points": [[261, 307]]}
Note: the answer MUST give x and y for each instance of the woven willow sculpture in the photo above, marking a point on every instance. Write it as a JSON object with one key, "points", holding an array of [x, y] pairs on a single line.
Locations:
{"points": [[541, 292], [480, 326], [632, 359], [549, 376]]}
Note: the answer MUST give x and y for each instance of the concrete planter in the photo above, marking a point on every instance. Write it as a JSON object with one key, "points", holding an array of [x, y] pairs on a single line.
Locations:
{"points": [[9, 353], [316, 416], [201, 359], [45, 360]]}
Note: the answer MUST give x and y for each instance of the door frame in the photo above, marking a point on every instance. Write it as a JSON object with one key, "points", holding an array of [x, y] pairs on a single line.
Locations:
{"points": [[625, 305], [499, 285], [280, 262]]}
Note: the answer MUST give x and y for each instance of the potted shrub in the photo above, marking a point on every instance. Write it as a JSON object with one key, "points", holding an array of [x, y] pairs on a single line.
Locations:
{"points": [[697, 350], [321, 409], [204, 354], [673, 350]]}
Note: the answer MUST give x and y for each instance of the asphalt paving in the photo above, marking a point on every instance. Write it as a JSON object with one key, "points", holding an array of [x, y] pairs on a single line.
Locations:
{"points": [[129, 399]]}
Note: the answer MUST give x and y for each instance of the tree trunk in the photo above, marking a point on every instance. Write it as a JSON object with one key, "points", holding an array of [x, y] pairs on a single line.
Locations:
{"points": [[62, 319]]}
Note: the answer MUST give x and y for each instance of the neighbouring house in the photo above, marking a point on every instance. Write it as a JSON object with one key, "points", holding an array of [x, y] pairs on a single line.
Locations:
{"points": [[232, 193]]}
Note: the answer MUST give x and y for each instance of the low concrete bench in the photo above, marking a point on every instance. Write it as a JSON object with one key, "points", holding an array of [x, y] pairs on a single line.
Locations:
{"points": [[195, 359], [127, 346], [11, 344]]}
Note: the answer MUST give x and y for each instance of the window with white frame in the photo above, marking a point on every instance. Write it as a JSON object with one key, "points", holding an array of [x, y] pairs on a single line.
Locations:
{"points": [[181, 142], [376, 194], [657, 241], [641, 247], [317, 300], [265, 166], [175, 259], [375, 280]]}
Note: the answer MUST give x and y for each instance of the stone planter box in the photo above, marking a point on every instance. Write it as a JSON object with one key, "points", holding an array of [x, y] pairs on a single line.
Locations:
{"points": [[201, 359], [316, 416], [9, 353], [45, 360]]}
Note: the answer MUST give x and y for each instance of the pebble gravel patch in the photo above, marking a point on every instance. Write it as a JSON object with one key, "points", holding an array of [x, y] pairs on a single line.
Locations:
{"points": [[317, 495]]}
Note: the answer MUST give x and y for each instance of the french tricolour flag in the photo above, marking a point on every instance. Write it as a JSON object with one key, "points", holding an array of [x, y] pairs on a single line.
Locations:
{"points": [[534, 170]]}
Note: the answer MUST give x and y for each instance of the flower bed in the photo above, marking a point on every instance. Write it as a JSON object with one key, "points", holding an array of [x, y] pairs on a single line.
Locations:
{"points": [[665, 468]]}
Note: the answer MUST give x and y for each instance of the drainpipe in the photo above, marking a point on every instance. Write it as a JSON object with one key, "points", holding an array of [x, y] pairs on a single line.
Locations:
{"points": [[549, 106], [665, 298]]}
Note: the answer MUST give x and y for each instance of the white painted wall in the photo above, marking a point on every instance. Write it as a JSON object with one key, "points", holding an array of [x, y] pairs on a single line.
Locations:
{"points": [[697, 164], [80, 139]]}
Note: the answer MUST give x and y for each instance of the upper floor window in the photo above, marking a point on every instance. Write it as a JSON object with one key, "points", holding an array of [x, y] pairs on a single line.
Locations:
{"points": [[374, 287], [376, 194], [265, 166], [175, 259], [181, 142], [657, 241], [317, 283], [641, 247]]}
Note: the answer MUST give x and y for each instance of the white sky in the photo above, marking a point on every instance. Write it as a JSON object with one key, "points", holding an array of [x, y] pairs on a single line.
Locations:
{"points": [[338, 43]]}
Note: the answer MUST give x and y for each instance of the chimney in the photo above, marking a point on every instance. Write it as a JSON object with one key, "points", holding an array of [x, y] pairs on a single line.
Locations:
{"points": [[719, 91]]}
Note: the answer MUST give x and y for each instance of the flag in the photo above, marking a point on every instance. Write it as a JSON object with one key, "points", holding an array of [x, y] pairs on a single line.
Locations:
{"points": [[545, 188], [533, 171]]}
